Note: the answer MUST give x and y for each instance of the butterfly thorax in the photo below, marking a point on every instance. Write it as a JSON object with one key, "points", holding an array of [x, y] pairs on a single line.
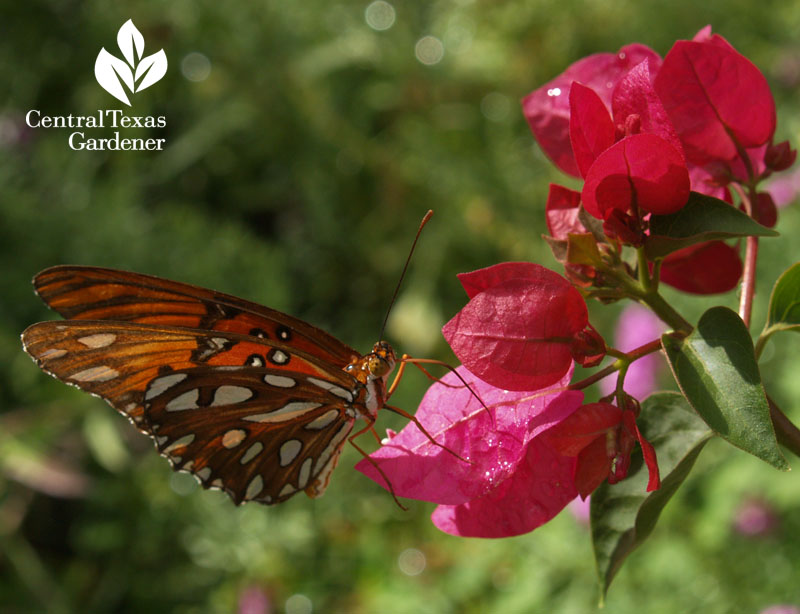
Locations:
{"points": [[372, 372]]}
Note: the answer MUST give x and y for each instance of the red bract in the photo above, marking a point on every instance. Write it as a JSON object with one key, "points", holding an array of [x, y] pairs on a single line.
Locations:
{"points": [[561, 212], [601, 437], [716, 98], [547, 108], [517, 329], [493, 439], [635, 98], [640, 173], [591, 130], [705, 268]]}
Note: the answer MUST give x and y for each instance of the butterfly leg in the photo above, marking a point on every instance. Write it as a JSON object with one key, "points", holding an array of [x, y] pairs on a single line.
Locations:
{"points": [[406, 359], [372, 462], [423, 430]]}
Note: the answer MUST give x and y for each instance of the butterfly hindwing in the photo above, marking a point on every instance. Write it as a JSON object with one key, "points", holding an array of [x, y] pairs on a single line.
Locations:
{"points": [[262, 435], [118, 360], [94, 293]]}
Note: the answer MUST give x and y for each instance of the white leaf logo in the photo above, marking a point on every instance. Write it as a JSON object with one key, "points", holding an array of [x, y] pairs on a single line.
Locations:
{"points": [[112, 73]]}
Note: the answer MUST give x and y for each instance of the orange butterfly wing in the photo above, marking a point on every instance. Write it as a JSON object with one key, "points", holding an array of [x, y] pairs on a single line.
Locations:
{"points": [[260, 433], [94, 293]]}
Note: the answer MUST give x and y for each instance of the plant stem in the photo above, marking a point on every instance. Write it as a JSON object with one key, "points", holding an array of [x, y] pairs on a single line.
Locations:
{"points": [[748, 285], [666, 312], [787, 433], [644, 270], [748, 280], [651, 298], [626, 359]]}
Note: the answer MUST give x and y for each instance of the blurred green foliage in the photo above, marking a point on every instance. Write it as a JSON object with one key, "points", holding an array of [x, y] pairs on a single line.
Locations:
{"points": [[294, 175]]}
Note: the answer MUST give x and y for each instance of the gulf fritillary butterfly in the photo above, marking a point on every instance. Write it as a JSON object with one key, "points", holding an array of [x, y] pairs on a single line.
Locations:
{"points": [[250, 400]]}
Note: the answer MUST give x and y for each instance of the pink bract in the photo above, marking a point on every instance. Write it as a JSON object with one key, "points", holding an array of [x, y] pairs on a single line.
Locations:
{"points": [[540, 489], [493, 440]]}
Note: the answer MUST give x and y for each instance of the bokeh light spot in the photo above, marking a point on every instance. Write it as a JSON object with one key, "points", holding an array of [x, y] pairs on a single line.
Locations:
{"points": [[299, 604], [429, 50], [196, 67], [380, 15], [411, 561]]}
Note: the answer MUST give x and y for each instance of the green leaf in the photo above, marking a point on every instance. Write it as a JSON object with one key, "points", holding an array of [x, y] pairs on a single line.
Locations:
{"points": [[704, 218], [784, 303], [716, 369], [624, 515]]}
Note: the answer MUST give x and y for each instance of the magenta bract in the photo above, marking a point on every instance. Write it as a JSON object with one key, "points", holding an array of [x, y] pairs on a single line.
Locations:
{"points": [[717, 100], [591, 130], [561, 212], [547, 108], [634, 97], [516, 331], [642, 172], [705, 268]]}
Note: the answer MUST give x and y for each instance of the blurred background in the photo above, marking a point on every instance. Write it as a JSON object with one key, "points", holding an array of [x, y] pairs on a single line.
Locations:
{"points": [[304, 142]]}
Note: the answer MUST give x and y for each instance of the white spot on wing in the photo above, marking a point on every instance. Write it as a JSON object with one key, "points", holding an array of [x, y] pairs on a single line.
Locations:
{"points": [[183, 441], [287, 412], [288, 489], [95, 374], [160, 384], [333, 446], [322, 421], [281, 381], [251, 452], [305, 473], [204, 473], [289, 451], [187, 400], [279, 357], [332, 388], [233, 438], [254, 488], [52, 353], [100, 340], [230, 395]]}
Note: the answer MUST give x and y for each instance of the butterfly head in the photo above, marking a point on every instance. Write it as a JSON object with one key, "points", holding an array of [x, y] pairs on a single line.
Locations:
{"points": [[381, 360]]}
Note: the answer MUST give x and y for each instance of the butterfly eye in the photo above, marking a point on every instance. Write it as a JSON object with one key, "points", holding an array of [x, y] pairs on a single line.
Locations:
{"points": [[379, 366]]}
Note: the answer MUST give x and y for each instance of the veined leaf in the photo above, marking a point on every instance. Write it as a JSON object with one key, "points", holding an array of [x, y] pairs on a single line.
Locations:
{"points": [[716, 369], [784, 303], [624, 515], [704, 218]]}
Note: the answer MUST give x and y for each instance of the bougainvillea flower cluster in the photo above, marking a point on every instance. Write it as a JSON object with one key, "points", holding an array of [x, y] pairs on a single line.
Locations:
{"points": [[664, 147], [641, 131]]}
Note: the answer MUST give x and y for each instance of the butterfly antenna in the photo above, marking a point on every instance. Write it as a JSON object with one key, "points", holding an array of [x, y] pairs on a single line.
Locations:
{"points": [[424, 221]]}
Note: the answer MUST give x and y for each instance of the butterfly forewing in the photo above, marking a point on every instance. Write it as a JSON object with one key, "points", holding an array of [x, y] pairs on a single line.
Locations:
{"points": [[262, 435], [93, 293]]}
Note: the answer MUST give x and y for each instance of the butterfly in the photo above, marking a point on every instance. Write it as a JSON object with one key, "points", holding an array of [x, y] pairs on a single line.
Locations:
{"points": [[250, 400]]}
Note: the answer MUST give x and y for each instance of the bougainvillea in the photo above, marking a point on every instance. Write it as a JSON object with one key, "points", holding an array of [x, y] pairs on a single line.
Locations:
{"points": [[672, 153]]}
